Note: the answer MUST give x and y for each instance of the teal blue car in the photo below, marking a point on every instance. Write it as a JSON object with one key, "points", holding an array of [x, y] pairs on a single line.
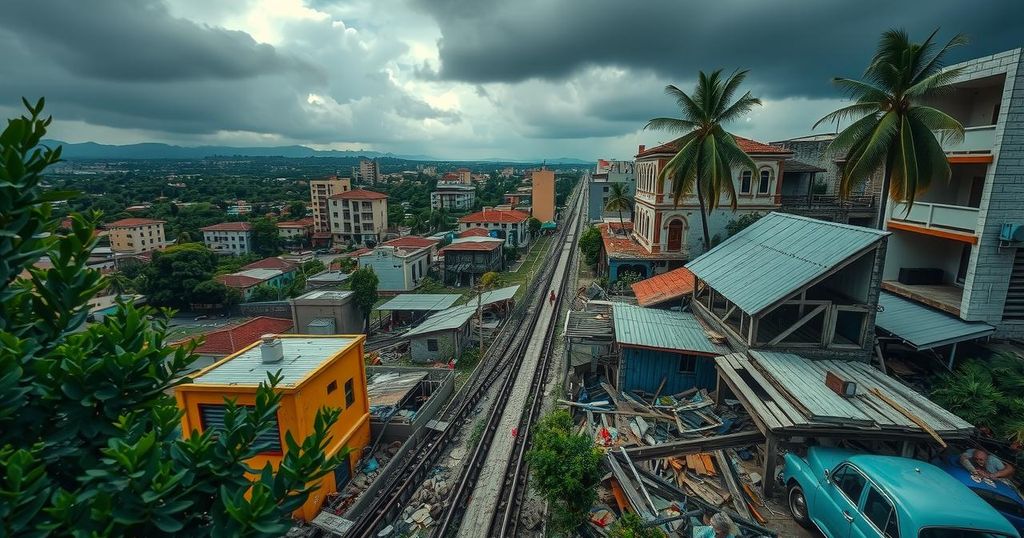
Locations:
{"points": [[851, 495]]}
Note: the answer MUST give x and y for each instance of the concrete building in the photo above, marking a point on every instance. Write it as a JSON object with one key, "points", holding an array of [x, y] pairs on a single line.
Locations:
{"points": [[453, 197], [543, 195], [358, 216], [400, 264], [225, 341], [248, 279], [369, 172], [508, 224], [296, 231], [465, 175], [316, 372], [135, 236], [946, 250], [233, 238], [466, 259], [326, 312], [320, 192], [600, 183]]}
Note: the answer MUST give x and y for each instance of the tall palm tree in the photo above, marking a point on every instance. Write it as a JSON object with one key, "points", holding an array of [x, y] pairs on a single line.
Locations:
{"points": [[619, 200], [707, 153], [895, 131]]}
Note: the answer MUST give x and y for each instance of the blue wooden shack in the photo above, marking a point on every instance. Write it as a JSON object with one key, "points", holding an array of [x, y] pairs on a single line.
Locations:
{"points": [[656, 345]]}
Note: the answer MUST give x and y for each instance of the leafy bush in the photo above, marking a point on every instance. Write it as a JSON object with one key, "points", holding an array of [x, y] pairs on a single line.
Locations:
{"points": [[565, 468], [590, 245], [984, 393], [631, 525], [740, 223]]}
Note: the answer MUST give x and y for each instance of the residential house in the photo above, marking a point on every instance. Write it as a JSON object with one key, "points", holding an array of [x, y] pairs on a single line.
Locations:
{"points": [[316, 372], [409, 308], [296, 231], [326, 312], [599, 184], [443, 336], [135, 235], [466, 259], [358, 216], [274, 272], [400, 264], [320, 192], [231, 238], [507, 224], [225, 341], [542, 199], [453, 197]]}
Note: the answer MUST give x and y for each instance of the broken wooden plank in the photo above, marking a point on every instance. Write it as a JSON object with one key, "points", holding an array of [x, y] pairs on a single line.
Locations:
{"points": [[912, 417], [733, 483], [694, 446]]}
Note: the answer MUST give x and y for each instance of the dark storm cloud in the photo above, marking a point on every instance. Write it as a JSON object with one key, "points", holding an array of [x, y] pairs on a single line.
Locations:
{"points": [[136, 40], [793, 47]]}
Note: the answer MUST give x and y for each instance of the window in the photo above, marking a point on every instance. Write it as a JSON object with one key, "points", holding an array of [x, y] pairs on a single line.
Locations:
{"points": [[332, 386], [350, 394], [762, 186], [850, 482], [745, 182], [604, 189], [879, 511], [687, 364], [211, 416], [432, 344]]}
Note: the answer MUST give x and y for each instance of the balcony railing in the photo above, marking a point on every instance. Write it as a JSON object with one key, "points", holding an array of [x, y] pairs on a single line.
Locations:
{"points": [[976, 139], [824, 201], [937, 216]]}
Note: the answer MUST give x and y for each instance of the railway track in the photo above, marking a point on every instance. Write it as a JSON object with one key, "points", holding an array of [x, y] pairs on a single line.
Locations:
{"points": [[500, 362]]}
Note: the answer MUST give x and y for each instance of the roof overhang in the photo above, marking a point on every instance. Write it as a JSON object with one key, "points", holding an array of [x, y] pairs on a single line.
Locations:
{"points": [[922, 327]]}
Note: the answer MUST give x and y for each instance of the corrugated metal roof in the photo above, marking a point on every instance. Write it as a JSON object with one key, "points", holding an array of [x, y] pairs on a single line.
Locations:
{"points": [[421, 301], [661, 329], [445, 320], [665, 287], [924, 327], [302, 355], [778, 255], [496, 296]]}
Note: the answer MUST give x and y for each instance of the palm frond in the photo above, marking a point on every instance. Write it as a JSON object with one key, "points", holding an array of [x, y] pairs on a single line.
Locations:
{"points": [[950, 130], [741, 107], [852, 134], [905, 172], [935, 64], [871, 153], [674, 125], [849, 111], [931, 159], [729, 89], [860, 90], [934, 82], [691, 112]]}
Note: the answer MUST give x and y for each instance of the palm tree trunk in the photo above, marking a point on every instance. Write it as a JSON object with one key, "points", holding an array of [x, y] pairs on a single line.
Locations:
{"points": [[703, 215], [883, 196], [622, 223]]}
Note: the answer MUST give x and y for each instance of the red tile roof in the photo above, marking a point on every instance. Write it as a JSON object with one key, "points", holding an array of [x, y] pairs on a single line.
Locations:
{"points": [[233, 339], [751, 147], [411, 241], [359, 194], [228, 227], [304, 223], [664, 287], [496, 215], [125, 223], [355, 253], [271, 263], [240, 282], [475, 232], [477, 246]]}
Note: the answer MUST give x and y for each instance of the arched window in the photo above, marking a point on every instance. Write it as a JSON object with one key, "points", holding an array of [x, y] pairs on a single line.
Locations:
{"points": [[765, 182], [745, 182], [676, 229]]}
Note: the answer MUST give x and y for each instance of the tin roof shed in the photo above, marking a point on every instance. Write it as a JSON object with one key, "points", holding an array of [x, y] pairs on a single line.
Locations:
{"points": [[421, 301], [446, 320]]}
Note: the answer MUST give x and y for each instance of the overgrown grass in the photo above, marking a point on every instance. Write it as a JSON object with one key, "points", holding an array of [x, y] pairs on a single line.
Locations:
{"points": [[478, 432]]}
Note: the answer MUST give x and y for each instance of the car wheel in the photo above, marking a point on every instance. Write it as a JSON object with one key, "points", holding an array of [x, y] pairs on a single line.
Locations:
{"points": [[798, 505]]}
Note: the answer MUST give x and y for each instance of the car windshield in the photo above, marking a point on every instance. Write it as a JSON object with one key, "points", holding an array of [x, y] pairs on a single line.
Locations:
{"points": [[1001, 502], [945, 532]]}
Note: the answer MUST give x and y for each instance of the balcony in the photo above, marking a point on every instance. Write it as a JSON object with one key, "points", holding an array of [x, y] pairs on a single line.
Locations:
{"points": [[938, 217], [976, 140]]}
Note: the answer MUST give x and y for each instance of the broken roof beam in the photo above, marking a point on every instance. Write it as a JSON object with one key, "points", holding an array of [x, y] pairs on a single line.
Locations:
{"points": [[694, 446]]}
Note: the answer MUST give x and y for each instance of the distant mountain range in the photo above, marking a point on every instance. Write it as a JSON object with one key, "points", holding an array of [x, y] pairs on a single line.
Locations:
{"points": [[154, 150]]}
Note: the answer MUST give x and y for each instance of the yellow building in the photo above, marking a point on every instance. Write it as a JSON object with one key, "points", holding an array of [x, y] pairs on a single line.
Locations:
{"points": [[317, 371], [320, 190], [135, 236], [543, 195]]}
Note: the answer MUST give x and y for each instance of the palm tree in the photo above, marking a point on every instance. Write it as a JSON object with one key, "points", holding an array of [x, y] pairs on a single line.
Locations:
{"points": [[619, 200], [707, 153], [895, 131]]}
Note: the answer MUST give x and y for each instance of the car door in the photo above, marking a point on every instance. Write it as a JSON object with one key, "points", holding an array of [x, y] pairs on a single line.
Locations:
{"points": [[840, 497], [877, 516]]}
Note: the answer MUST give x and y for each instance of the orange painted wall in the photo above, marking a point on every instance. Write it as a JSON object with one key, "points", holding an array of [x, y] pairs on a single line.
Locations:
{"points": [[298, 409], [543, 201]]}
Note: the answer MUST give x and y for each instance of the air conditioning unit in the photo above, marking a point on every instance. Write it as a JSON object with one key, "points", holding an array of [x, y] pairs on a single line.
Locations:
{"points": [[1012, 232]]}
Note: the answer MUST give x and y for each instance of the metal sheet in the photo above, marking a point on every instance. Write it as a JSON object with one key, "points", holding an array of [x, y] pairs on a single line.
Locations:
{"points": [[421, 301], [923, 327], [301, 357], [661, 329], [777, 256], [495, 296], [445, 320]]}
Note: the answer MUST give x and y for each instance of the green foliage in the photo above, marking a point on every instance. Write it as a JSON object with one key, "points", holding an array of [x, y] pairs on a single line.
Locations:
{"points": [[566, 469], [313, 267], [707, 153], [534, 225], [468, 359], [233, 264], [590, 245], [90, 440], [984, 392], [738, 224], [215, 293], [346, 264], [631, 525], [297, 210], [564, 184], [174, 273], [364, 285], [265, 239], [490, 280], [265, 292], [478, 432], [895, 129], [626, 279]]}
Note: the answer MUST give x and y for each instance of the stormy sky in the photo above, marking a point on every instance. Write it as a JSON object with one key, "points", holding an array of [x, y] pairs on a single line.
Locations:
{"points": [[459, 79]]}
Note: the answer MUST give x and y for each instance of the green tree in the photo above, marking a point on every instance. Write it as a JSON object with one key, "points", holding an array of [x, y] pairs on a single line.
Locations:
{"points": [[90, 440], [566, 469], [313, 267], [265, 238], [183, 237], [297, 210], [265, 292], [631, 525], [894, 131], [740, 223], [216, 293], [172, 276], [534, 225], [364, 285], [120, 284], [707, 152], [619, 200], [590, 245]]}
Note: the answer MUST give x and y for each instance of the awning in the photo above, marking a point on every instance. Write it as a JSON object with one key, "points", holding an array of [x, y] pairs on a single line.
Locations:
{"points": [[923, 327]]}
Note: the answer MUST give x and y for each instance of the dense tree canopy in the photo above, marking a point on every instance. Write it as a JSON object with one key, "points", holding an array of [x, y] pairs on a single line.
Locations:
{"points": [[565, 468], [174, 274], [364, 285], [266, 241]]}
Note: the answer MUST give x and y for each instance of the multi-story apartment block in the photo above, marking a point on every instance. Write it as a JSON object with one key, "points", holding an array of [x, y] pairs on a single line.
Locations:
{"points": [[400, 264], [945, 250], [231, 238], [508, 224], [600, 184], [453, 196], [543, 195], [320, 191], [465, 175], [135, 236], [358, 216], [295, 231], [369, 172]]}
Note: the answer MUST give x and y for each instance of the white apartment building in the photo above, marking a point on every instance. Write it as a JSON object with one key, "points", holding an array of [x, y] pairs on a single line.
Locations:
{"points": [[453, 196], [229, 238], [135, 236], [320, 191], [369, 172], [510, 224], [358, 216]]}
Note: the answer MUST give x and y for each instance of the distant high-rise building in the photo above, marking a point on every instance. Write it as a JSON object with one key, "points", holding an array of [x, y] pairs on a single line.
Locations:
{"points": [[368, 171], [320, 190], [543, 199], [358, 216], [465, 175], [135, 236]]}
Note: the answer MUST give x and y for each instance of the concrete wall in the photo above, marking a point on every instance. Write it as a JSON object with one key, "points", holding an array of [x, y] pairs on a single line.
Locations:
{"points": [[450, 345], [347, 319], [396, 272], [402, 430], [911, 250]]}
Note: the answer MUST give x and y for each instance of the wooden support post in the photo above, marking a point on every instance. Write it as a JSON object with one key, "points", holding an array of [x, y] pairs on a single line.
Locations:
{"points": [[800, 323], [952, 357], [771, 455]]}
